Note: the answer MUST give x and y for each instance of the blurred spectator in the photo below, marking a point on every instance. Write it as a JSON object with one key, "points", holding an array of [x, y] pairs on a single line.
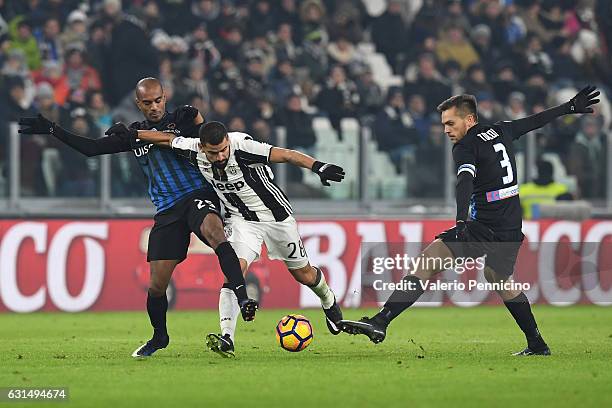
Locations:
{"points": [[22, 39], [202, 48], [342, 52], [283, 82], [52, 73], [98, 110], [314, 57], [298, 124], [370, 93], [204, 11], [424, 79], [49, 43], [284, 45], [232, 43], [236, 124], [194, 83], [530, 14], [515, 108], [339, 98], [131, 55], [542, 190], [488, 110], [419, 115], [586, 157], [346, 20], [476, 80], [79, 74], [76, 30], [261, 21], [487, 52], [287, 14], [535, 59], [454, 46], [221, 107], [505, 82], [260, 47], [312, 16], [394, 129], [390, 34], [15, 66], [78, 173], [429, 165], [227, 79], [262, 132]]}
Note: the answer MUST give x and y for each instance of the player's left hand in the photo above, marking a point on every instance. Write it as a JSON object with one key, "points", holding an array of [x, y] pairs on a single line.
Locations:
{"points": [[121, 130], [583, 99], [38, 125], [328, 172]]}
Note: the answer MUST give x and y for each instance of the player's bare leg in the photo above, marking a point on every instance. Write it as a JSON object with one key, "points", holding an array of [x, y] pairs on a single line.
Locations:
{"points": [[314, 278], [212, 230], [157, 306], [518, 305], [376, 327], [223, 343]]}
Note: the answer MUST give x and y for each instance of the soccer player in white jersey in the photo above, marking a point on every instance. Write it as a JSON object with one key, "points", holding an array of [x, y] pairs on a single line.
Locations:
{"points": [[257, 211]]}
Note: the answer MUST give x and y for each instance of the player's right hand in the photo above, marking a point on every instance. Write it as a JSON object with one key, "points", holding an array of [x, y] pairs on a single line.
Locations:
{"points": [[583, 99], [38, 125], [461, 232], [328, 172], [121, 130]]}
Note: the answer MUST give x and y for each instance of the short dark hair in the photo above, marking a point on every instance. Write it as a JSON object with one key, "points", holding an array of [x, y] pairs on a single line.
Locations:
{"points": [[465, 104], [212, 133]]}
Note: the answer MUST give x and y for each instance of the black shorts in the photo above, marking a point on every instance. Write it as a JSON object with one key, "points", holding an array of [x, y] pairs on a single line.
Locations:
{"points": [[170, 235], [500, 247]]}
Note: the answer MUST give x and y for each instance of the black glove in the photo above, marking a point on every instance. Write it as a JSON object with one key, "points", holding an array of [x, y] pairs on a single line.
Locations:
{"points": [[36, 126], [461, 231], [583, 99], [328, 172], [121, 130]]}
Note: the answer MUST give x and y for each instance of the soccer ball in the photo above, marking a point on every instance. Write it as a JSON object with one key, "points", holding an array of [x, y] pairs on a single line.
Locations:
{"points": [[294, 332]]}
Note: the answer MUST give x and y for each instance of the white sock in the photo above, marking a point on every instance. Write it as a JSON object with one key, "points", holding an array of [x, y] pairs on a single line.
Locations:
{"points": [[322, 290], [228, 312]]}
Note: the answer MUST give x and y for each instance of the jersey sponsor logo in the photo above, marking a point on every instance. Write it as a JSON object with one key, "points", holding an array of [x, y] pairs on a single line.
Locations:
{"points": [[488, 135], [237, 186], [502, 194], [141, 151]]}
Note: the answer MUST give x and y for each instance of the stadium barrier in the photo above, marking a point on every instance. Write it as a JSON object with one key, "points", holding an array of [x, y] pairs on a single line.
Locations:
{"points": [[78, 265]]}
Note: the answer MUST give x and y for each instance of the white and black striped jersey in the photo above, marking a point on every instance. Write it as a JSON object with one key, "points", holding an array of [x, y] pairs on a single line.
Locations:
{"points": [[245, 185]]}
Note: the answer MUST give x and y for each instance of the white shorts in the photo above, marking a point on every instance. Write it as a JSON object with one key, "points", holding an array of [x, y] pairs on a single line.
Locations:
{"points": [[282, 240]]}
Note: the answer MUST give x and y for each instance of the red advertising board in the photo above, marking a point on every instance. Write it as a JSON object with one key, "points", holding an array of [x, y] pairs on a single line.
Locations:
{"points": [[77, 265]]}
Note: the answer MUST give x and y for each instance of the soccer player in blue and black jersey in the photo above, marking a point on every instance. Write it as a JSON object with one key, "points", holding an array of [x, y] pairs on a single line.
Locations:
{"points": [[489, 215], [184, 200]]}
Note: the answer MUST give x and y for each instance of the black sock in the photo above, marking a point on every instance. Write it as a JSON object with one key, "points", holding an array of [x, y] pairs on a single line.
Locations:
{"points": [[157, 308], [231, 269], [520, 309], [401, 300]]}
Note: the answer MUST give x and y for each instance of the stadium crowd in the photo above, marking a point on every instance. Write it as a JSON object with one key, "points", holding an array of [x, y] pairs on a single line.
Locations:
{"points": [[258, 64]]}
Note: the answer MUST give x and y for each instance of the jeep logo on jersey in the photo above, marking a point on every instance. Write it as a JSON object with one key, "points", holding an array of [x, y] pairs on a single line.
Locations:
{"points": [[229, 186]]}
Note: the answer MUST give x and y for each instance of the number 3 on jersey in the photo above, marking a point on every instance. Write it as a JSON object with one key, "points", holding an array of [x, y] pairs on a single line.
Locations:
{"points": [[505, 163]]}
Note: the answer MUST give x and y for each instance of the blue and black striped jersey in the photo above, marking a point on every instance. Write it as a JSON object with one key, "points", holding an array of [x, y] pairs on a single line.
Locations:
{"points": [[170, 177]]}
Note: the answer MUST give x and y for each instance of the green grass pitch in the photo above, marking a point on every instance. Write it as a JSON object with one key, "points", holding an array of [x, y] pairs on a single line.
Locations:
{"points": [[432, 357]]}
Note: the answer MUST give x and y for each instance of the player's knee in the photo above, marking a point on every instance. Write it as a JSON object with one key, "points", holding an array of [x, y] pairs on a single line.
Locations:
{"points": [[305, 276], [212, 230], [157, 289]]}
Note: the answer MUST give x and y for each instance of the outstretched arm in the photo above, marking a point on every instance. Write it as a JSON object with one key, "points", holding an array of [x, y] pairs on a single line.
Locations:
{"points": [[578, 104], [327, 172], [90, 147], [156, 137]]}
